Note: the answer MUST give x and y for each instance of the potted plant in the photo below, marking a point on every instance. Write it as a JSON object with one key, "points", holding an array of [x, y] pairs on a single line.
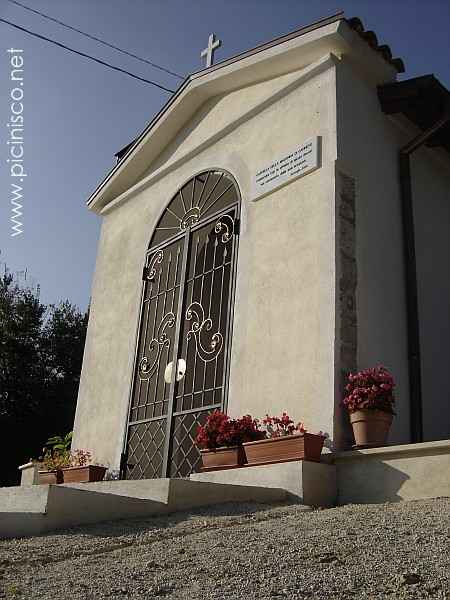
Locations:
{"points": [[220, 440], [66, 466], [81, 469], [284, 442], [53, 461], [56, 456], [370, 403]]}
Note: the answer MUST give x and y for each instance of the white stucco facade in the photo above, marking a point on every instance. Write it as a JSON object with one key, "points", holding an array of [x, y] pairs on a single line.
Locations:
{"points": [[286, 347], [285, 251], [368, 144]]}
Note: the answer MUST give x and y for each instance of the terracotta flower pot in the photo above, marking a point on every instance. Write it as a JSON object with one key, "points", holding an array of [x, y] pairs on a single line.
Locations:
{"points": [[46, 477], [370, 427], [307, 446], [222, 458], [86, 474]]}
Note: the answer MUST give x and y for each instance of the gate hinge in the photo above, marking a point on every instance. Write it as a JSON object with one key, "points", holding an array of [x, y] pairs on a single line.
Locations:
{"points": [[123, 464]]}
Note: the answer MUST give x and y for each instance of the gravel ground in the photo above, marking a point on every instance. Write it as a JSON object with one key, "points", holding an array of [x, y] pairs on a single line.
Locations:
{"points": [[234, 551]]}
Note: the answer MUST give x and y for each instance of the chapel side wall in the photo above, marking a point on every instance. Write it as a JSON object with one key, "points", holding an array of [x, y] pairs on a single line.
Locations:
{"points": [[282, 355], [368, 144], [430, 177]]}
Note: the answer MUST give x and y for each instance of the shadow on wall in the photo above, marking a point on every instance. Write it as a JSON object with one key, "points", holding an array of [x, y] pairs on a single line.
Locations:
{"points": [[369, 482]]}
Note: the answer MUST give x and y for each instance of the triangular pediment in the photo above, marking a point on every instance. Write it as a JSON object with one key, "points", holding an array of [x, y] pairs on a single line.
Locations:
{"points": [[210, 103]]}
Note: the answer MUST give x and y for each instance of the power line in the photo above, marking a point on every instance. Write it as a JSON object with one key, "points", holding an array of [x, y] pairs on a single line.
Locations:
{"points": [[92, 37], [97, 60]]}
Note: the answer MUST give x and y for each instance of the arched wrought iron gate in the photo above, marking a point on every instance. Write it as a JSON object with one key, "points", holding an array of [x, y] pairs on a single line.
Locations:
{"points": [[181, 366]]}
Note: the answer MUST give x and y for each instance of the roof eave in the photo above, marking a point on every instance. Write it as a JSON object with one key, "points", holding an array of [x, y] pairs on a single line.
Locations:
{"points": [[423, 101]]}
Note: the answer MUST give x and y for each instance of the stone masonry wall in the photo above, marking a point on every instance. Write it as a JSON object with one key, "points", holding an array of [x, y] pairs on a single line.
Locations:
{"points": [[347, 269]]}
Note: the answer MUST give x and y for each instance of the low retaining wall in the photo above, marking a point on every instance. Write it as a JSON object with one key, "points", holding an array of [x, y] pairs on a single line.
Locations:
{"points": [[393, 473], [33, 510], [387, 474], [306, 482]]}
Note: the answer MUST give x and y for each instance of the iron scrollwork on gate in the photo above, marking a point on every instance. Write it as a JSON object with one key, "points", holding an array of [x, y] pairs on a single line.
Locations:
{"points": [[200, 324], [185, 319], [196, 312], [151, 270], [147, 368], [226, 225]]}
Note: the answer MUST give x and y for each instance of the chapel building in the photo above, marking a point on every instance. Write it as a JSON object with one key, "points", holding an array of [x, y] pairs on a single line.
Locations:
{"points": [[283, 220]]}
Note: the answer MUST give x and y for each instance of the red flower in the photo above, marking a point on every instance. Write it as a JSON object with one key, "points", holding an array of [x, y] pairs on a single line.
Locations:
{"points": [[371, 388], [300, 427], [279, 426], [219, 430]]}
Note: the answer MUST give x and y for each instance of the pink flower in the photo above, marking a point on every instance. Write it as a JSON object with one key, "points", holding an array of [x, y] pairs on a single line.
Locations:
{"points": [[371, 388]]}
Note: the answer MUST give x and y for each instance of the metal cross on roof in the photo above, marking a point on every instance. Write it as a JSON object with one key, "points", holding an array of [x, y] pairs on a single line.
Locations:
{"points": [[209, 50]]}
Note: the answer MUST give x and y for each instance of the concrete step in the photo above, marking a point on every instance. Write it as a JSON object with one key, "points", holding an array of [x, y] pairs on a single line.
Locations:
{"points": [[306, 482], [33, 510], [393, 473], [386, 474]]}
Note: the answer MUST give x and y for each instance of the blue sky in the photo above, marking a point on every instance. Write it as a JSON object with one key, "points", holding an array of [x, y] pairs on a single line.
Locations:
{"points": [[77, 114]]}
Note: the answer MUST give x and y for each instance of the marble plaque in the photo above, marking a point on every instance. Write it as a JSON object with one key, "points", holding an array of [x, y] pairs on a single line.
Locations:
{"points": [[302, 160]]}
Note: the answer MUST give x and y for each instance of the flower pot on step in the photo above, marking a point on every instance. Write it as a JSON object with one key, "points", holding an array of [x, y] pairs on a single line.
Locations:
{"points": [[370, 427], [307, 446], [222, 458], [86, 474], [46, 477]]}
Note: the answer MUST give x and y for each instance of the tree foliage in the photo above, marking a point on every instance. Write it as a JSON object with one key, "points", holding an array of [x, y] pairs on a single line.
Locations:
{"points": [[41, 351]]}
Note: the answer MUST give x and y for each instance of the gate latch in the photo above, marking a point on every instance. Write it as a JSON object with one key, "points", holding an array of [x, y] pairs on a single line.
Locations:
{"points": [[181, 370]]}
